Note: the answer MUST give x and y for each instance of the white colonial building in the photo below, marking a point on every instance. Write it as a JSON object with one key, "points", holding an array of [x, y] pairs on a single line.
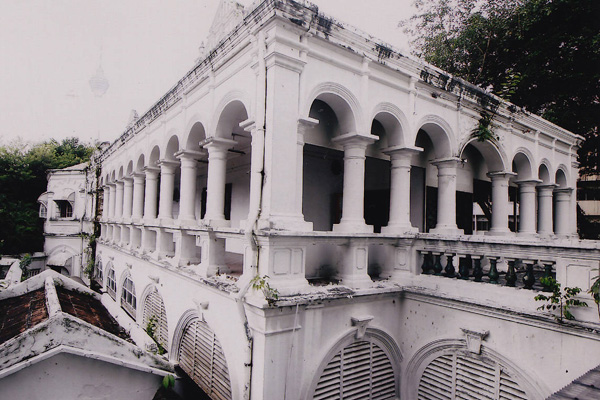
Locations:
{"points": [[292, 217]]}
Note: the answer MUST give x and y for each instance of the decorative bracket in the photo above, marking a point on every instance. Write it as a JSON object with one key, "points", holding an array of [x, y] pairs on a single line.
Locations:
{"points": [[474, 339], [361, 324], [154, 279]]}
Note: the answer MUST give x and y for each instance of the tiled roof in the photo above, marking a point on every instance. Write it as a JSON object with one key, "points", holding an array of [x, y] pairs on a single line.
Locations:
{"points": [[89, 309], [586, 387], [17, 314]]}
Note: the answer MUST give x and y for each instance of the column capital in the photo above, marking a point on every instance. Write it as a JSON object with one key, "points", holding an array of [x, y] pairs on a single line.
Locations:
{"points": [[355, 139], [217, 143], [191, 154], [446, 163], [138, 175], [111, 184], [500, 175], [307, 122], [128, 178], [407, 151], [547, 186], [167, 165], [528, 182], [150, 171], [563, 193], [248, 125]]}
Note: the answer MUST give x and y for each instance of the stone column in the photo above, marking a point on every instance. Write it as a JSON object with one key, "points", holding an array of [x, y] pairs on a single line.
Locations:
{"points": [[167, 185], [527, 206], [500, 203], [353, 201], [401, 158], [215, 184], [127, 197], [304, 124], [105, 203], [544, 193], [151, 191], [119, 200], [187, 202], [138, 196], [113, 197], [562, 215], [446, 205]]}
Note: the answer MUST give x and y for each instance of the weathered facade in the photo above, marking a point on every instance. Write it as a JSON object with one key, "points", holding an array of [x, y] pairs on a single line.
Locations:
{"points": [[304, 162]]}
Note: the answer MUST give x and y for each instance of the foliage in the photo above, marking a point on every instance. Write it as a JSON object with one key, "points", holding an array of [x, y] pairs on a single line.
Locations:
{"points": [[261, 283], [168, 381], [562, 300], [25, 261], [151, 331], [23, 170], [90, 255], [595, 292], [540, 54], [484, 131]]}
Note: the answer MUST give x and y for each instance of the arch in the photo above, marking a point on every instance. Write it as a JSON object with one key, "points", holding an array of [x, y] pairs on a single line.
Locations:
{"points": [[140, 164], [196, 134], [444, 347], [233, 99], [154, 156], [494, 155], [172, 147], [129, 170], [440, 133], [342, 101], [375, 349], [228, 123], [111, 281], [155, 314], [394, 122], [120, 174], [192, 338], [562, 177], [544, 172], [522, 164]]}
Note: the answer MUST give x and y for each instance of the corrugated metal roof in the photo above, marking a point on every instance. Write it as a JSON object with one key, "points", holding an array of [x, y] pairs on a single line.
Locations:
{"points": [[586, 387]]}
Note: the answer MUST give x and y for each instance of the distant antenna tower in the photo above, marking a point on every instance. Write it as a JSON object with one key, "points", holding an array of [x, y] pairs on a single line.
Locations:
{"points": [[98, 83]]}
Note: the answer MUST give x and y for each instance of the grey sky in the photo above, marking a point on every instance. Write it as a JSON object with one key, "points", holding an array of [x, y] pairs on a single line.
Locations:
{"points": [[49, 49]]}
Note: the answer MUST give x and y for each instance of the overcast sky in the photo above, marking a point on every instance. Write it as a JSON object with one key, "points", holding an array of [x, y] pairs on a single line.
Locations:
{"points": [[49, 49]]}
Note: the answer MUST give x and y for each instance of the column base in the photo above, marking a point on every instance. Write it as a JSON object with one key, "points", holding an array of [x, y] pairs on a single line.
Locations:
{"points": [[531, 234], [356, 282], [296, 224], [399, 228], [499, 232], [216, 223], [348, 226], [447, 230], [191, 222]]}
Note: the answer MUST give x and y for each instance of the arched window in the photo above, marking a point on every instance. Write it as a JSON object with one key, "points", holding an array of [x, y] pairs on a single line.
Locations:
{"points": [[128, 300], [43, 210], [155, 318], [361, 370], [98, 275], [201, 357], [465, 375], [111, 283], [65, 208]]}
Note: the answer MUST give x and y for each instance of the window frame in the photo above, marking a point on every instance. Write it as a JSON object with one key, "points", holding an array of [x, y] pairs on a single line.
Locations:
{"points": [[128, 297], [111, 283]]}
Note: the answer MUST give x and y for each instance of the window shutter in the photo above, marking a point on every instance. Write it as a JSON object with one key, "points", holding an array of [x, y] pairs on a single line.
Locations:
{"points": [[201, 357], [155, 307], [464, 376], [361, 370]]}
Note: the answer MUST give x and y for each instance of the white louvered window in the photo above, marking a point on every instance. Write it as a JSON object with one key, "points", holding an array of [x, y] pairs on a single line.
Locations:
{"points": [[362, 371], [467, 376], [201, 357], [156, 315]]}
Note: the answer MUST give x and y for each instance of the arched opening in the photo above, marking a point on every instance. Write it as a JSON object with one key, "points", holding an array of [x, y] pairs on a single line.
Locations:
{"points": [[170, 179], [522, 206], [201, 357], [154, 320], [128, 297], [196, 136]]}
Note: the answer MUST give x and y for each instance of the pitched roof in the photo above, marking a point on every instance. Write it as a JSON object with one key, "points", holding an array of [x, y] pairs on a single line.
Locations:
{"points": [[17, 314], [586, 387]]}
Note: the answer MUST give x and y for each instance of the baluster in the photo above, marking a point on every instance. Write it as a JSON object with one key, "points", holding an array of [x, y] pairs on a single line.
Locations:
{"points": [[511, 275], [464, 266], [449, 271], [529, 277], [477, 270], [493, 274], [426, 266], [437, 267], [547, 274]]}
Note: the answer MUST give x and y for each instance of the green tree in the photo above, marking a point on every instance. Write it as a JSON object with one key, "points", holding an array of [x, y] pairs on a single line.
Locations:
{"points": [[542, 55], [23, 170]]}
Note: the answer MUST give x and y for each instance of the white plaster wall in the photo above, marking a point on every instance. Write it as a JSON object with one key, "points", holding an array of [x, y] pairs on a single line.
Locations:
{"points": [[66, 376]]}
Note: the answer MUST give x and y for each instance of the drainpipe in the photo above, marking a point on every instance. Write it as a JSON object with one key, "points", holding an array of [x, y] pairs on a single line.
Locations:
{"points": [[258, 153]]}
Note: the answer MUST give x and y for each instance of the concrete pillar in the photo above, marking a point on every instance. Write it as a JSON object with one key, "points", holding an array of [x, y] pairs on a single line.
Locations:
{"points": [[545, 193], [113, 196], [151, 191], [119, 200], [355, 146], [446, 205], [138, 196], [105, 203], [500, 203], [562, 223], [401, 158], [167, 185], [187, 202], [527, 206], [127, 197], [215, 184], [353, 264]]}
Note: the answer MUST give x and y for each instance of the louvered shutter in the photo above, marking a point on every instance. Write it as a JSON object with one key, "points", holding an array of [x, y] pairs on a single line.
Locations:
{"points": [[361, 370], [201, 357], [155, 307], [465, 376]]}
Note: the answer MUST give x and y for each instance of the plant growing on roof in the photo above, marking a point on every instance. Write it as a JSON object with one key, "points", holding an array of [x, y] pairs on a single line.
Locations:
{"points": [[151, 326], [595, 292], [261, 283], [484, 131], [561, 300]]}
